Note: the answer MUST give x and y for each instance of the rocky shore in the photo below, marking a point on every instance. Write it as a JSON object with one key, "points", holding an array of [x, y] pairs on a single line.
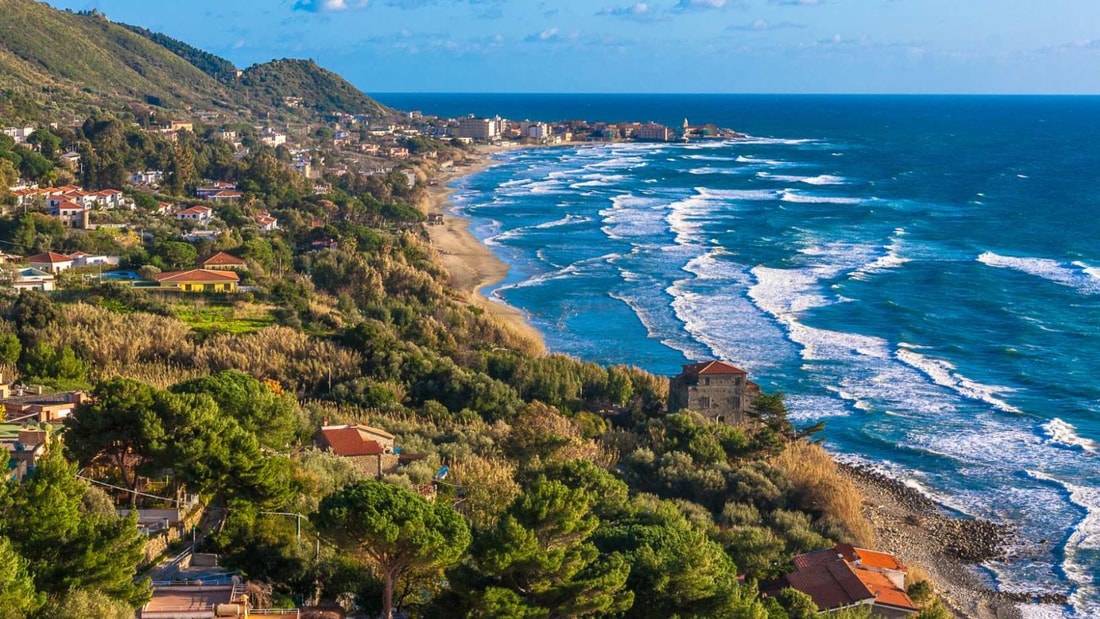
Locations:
{"points": [[916, 529]]}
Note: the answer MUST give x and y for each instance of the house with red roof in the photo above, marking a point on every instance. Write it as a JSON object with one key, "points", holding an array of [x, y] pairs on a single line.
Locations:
{"points": [[198, 213], [266, 221], [371, 450], [846, 577], [714, 389], [71, 214], [222, 261], [50, 262], [199, 280]]}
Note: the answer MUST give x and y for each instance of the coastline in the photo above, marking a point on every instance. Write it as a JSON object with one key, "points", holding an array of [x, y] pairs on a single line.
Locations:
{"points": [[471, 264], [906, 523], [915, 528]]}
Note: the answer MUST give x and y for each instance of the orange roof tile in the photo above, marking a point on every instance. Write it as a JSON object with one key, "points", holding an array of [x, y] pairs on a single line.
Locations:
{"points": [[197, 276], [49, 258], [223, 259], [712, 367], [346, 441], [885, 592]]}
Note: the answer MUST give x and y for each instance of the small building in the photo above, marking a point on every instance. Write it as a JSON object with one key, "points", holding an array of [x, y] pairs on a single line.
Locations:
{"points": [[209, 191], [199, 280], [71, 214], [50, 262], [222, 261], [41, 407], [32, 279], [25, 445], [716, 390], [371, 450], [267, 222], [197, 213], [847, 577]]}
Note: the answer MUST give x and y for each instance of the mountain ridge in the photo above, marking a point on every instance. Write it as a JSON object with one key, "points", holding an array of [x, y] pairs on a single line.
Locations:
{"points": [[64, 61]]}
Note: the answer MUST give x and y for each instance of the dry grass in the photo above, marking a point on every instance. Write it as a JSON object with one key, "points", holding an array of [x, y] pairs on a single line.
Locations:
{"points": [[821, 490], [112, 341]]}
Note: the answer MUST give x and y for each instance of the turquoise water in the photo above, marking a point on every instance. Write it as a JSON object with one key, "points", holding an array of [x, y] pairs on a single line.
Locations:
{"points": [[923, 273]]}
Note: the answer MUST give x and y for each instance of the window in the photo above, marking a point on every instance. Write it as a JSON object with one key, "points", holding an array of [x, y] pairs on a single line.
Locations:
{"points": [[704, 402]]}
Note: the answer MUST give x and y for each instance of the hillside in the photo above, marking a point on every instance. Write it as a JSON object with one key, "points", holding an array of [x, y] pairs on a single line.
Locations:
{"points": [[85, 58], [55, 62], [215, 66], [319, 90]]}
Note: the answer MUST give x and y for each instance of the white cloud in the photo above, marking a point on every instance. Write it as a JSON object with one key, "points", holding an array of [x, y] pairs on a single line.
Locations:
{"points": [[329, 6]]}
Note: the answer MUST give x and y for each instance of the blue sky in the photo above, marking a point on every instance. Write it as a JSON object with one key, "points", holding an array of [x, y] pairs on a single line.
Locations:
{"points": [[719, 46]]}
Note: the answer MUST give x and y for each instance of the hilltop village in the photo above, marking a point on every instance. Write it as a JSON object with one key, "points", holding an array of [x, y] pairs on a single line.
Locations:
{"points": [[238, 380]]}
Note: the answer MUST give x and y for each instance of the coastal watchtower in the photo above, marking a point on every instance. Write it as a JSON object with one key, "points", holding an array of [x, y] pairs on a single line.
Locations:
{"points": [[716, 390]]}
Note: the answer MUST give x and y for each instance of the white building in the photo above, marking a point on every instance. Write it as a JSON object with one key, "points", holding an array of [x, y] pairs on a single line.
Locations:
{"points": [[482, 129]]}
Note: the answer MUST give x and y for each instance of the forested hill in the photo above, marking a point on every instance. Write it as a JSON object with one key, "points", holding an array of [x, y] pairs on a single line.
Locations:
{"points": [[318, 89], [215, 66], [54, 61]]}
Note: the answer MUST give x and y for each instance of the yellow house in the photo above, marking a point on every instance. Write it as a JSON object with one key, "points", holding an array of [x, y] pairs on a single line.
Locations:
{"points": [[199, 280]]}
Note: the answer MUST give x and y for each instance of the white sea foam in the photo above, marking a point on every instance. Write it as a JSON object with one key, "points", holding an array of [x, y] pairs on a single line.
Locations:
{"points": [[573, 270], [564, 221], [1062, 433], [712, 170], [710, 158], [790, 195], [823, 179], [1085, 535], [943, 374], [773, 141], [892, 259], [755, 160], [1076, 275], [631, 216]]}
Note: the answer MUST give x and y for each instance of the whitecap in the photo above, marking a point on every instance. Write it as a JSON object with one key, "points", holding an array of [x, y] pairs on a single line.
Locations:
{"points": [[790, 195], [943, 374], [1076, 275], [1063, 433], [1085, 536]]}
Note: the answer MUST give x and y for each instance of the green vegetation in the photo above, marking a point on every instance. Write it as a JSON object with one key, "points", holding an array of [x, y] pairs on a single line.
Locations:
{"points": [[53, 61], [319, 90], [570, 492], [214, 66]]}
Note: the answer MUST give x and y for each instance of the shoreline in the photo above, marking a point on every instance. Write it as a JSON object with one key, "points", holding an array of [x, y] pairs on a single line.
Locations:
{"points": [[470, 263], [906, 522], [917, 530]]}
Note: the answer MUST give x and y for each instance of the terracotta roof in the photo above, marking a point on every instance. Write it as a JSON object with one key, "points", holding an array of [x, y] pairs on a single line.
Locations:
{"points": [[885, 592], [49, 258], [712, 367], [70, 205], [346, 441], [834, 580], [223, 259], [195, 210], [869, 558], [197, 275], [827, 578]]}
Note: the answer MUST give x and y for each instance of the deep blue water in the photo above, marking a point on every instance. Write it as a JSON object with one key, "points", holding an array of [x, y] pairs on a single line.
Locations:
{"points": [[923, 273]]}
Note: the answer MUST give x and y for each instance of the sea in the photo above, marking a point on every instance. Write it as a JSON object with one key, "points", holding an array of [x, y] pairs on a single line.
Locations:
{"points": [[922, 273]]}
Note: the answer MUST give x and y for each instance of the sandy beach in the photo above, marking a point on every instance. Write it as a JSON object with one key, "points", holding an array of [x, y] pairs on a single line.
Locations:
{"points": [[471, 264]]}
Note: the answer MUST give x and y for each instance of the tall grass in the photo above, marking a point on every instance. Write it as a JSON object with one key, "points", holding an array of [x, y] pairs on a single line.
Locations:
{"points": [[819, 488]]}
